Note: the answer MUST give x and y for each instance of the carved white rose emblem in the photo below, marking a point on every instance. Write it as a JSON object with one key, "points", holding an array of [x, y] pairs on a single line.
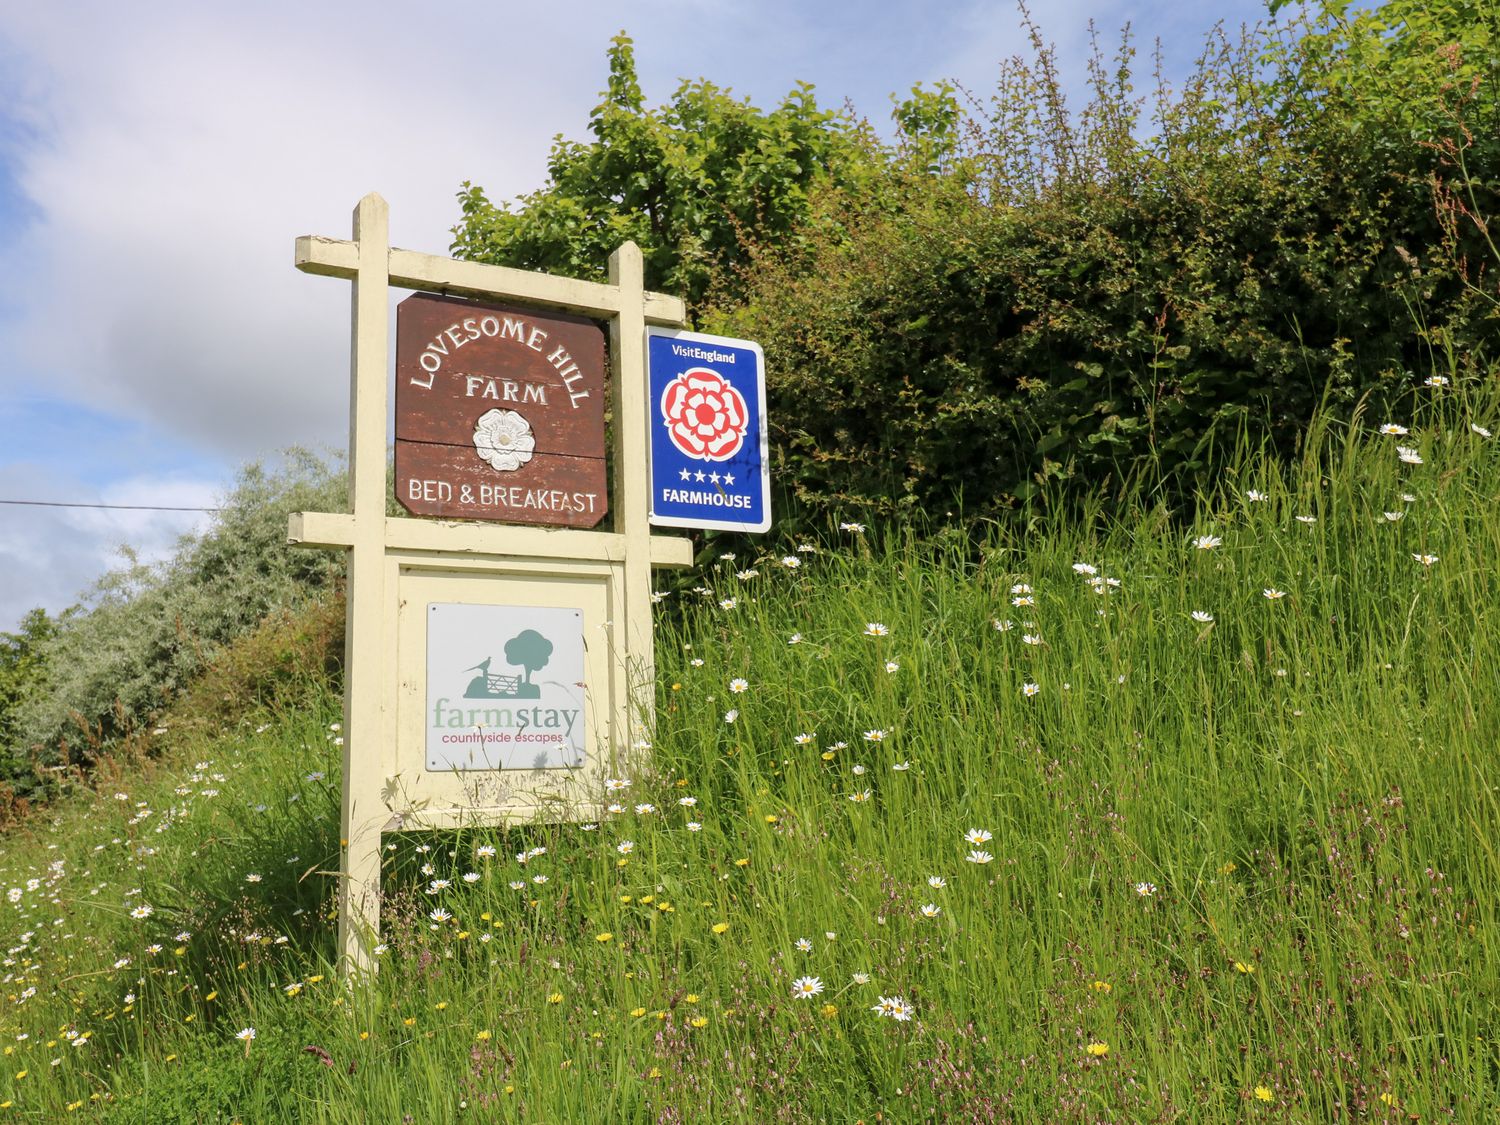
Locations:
{"points": [[503, 440]]}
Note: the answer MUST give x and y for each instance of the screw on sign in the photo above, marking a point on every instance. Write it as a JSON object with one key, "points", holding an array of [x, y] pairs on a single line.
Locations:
{"points": [[705, 416]]}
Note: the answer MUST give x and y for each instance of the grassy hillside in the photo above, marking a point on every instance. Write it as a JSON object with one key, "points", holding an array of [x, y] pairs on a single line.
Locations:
{"points": [[1111, 820]]}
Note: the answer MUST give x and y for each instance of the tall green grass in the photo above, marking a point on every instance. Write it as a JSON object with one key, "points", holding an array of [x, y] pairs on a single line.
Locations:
{"points": [[1239, 869]]}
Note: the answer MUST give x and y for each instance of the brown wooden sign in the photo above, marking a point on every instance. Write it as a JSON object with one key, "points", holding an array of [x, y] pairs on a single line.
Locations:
{"points": [[499, 413]]}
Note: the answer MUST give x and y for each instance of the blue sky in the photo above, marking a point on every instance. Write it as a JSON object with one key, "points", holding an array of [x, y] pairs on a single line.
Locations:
{"points": [[158, 159]]}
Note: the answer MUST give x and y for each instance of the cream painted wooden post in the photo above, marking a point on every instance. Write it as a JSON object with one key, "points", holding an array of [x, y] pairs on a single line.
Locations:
{"points": [[627, 340], [367, 695]]}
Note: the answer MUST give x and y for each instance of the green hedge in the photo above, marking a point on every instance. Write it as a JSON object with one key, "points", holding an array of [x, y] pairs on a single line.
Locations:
{"points": [[1061, 300]]}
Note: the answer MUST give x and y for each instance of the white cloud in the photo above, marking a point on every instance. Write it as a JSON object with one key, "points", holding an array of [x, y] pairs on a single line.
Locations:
{"points": [[52, 556], [174, 170]]}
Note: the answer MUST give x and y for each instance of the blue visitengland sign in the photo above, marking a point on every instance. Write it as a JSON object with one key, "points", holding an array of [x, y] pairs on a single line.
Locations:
{"points": [[708, 447]]}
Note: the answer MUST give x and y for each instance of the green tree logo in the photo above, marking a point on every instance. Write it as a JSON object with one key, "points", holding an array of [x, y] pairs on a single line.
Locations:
{"points": [[530, 650]]}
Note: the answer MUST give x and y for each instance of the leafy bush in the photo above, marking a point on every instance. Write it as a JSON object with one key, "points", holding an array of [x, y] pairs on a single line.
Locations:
{"points": [[691, 182], [22, 667], [1064, 301], [144, 632]]}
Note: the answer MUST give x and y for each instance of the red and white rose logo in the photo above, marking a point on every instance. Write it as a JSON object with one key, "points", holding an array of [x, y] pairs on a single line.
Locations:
{"points": [[705, 416]]}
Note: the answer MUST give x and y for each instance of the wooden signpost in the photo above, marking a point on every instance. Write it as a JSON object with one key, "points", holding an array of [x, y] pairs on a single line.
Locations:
{"points": [[494, 673]]}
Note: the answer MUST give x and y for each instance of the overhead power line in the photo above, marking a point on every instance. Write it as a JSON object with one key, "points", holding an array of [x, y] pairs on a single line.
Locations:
{"points": [[112, 507]]}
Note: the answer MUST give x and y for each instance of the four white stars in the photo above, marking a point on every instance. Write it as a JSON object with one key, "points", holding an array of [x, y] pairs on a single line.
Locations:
{"points": [[715, 478]]}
